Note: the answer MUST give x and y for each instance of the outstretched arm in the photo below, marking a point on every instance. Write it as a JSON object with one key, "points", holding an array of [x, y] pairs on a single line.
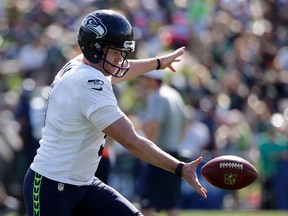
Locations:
{"points": [[141, 66], [123, 132]]}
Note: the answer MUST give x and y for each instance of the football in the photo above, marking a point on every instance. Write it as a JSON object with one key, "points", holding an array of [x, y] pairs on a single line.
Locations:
{"points": [[229, 172]]}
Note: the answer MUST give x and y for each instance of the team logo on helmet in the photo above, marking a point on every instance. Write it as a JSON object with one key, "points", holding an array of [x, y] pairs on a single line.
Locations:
{"points": [[95, 25], [129, 45]]}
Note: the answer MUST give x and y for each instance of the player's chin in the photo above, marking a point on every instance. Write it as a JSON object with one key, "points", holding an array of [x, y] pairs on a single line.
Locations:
{"points": [[112, 70]]}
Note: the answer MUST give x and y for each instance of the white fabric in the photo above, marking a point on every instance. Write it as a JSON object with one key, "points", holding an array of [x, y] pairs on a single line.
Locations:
{"points": [[71, 136]]}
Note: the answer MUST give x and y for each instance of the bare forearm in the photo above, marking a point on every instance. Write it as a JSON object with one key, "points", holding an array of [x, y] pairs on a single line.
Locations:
{"points": [[141, 66], [137, 68], [151, 153], [140, 146]]}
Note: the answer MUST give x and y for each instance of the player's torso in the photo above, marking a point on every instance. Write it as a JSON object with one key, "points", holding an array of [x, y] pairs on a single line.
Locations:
{"points": [[71, 144]]}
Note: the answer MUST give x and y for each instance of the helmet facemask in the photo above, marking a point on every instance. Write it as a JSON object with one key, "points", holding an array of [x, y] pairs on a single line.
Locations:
{"points": [[124, 66]]}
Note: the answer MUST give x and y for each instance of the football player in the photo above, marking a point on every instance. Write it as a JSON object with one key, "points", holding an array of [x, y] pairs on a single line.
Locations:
{"points": [[81, 111]]}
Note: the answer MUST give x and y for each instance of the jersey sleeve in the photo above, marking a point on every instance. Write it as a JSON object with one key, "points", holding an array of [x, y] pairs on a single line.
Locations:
{"points": [[93, 94], [105, 116]]}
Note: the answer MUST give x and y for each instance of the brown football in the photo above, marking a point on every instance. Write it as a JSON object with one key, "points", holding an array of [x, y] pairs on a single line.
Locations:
{"points": [[229, 172]]}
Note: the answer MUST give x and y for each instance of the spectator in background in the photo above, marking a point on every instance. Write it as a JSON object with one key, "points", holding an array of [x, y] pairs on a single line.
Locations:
{"points": [[11, 146], [32, 57], [29, 113], [164, 121], [281, 190], [271, 145], [196, 137]]}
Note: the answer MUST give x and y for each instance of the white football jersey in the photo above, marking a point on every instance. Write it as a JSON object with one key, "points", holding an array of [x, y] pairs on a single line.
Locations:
{"points": [[81, 104]]}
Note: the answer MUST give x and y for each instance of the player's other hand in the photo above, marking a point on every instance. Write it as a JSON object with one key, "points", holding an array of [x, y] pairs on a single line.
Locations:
{"points": [[168, 59], [189, 174]]}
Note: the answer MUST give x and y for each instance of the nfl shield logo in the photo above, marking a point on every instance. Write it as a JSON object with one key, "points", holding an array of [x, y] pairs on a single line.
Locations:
{"points": [[230, 179], [61, 186]]}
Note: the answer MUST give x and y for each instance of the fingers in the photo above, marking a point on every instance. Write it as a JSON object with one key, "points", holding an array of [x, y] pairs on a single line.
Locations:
{"points": [[172, 68], [180, 50], [203, 192], [169, 59], [200, 189], [198, 160]]}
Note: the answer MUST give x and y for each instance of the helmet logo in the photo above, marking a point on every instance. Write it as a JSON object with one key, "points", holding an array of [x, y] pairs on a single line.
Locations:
{"points": [[95, 25], [130, 45]]}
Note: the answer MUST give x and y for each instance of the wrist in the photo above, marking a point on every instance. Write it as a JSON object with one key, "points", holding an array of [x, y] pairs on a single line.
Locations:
{"points": [[158, 63], [178, 170]]}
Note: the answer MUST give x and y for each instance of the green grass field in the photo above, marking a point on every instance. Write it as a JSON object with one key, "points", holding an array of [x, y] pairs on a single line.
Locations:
{"points": [[230, 213]]}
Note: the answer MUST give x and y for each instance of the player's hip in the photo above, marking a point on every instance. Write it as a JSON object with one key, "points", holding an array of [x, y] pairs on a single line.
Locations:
{"points": [[49, 197]]}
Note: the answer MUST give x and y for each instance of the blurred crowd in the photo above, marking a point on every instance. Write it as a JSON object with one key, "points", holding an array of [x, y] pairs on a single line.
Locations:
{"points": [[233, 77]]}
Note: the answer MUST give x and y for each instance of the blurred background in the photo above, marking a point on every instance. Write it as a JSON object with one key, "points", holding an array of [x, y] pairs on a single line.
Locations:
{"points": [[233, 77]]}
